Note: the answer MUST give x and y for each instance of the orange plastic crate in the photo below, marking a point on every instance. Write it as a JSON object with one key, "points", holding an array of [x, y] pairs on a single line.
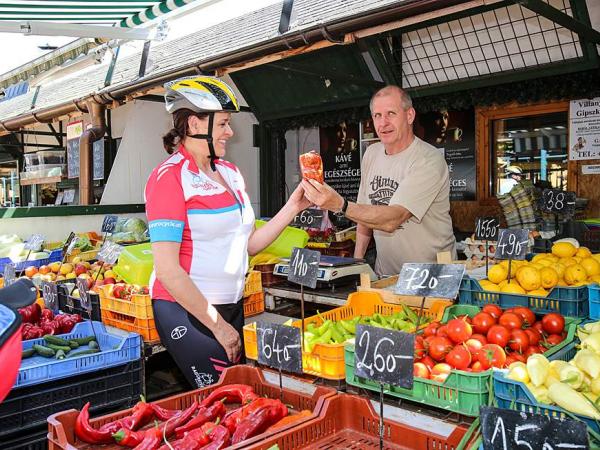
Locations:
{"points": [[327, 360], [139, 306], [254, 304], [61, 426], [253, 284], [145, 327]]}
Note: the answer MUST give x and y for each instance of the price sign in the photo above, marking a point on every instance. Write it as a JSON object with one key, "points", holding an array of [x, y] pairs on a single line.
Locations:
{"points": [[109, 224], [69, 196], [34, 243], [512, 244], [506, 429], [558, 202], [279, 346], [59, 198], [50, 295], [386, 356], [486, 228], [430, 280], [9, 274], [304, 267], [109, 252], [70, 244], [84, 294], [309, 218]]}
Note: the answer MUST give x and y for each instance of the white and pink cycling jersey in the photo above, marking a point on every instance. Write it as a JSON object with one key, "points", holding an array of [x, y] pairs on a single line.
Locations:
{"points": [[184, 205]]}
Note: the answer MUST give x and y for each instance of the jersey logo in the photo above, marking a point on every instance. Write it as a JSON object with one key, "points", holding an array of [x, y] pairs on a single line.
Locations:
{"points": [[178, 332]]}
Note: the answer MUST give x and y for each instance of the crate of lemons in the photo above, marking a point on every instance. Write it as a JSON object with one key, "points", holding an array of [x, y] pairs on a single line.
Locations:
{"points": [[568, 265]]}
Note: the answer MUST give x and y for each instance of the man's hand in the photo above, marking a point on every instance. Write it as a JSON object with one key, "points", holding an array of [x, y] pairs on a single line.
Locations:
{"points": [[322, 195]]}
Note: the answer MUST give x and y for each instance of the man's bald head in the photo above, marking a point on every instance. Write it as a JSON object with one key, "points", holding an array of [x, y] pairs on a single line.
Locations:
{"points": [[405, 99]]}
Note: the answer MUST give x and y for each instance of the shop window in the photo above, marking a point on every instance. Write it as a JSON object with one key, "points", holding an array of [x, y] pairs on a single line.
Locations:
{"points": [[532, 147]]}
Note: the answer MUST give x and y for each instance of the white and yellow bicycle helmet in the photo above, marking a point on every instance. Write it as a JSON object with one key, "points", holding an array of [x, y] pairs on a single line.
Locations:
{"points": [[201, 94]]}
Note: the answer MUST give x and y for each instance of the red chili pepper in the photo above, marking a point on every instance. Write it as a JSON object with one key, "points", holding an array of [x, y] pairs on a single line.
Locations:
{"points": [[258, 422], [152, 439], [154, 436], [193, 440], [164, 414], [180, 419], [216, 410], [240, 393], [219, 437], [141, 414], [129, 438], [233, 418], [85, 432]]}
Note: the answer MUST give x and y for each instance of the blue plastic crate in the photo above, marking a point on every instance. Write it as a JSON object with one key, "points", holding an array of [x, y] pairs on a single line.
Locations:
{"points": [[117, 347], [569, 301], [594, 300], [55, 255], [512, 394]]}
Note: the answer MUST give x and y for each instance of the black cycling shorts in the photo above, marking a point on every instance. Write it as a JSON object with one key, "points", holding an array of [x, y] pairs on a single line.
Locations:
{"points": [[191, 344]]}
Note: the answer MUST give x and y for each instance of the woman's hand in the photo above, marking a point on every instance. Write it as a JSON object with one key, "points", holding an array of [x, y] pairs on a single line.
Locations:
{"points": [[229, 338], [322, 195], [298, 200]]}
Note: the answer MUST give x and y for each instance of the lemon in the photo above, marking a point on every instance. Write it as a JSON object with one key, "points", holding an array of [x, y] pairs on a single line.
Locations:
{"points": [[529, 278], [497, 273], [491, 287], [583, 252], [503, 264], [567, 261], [549, 277], [545, 262], [564, 249], [539, 256], [513, 288], [502, 284], [591, 266], [538, 292], [560, 269], [596, 256], [575, 274], [553, 258], [537, 266], [562, 282], [595, 279]]}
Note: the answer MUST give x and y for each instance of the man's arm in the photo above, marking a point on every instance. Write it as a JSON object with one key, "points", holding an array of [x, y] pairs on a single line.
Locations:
{"points": [[363, 237]]}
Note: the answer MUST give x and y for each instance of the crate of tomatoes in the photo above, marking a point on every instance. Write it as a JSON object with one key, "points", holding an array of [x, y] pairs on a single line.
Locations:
{"points": [[454, 357]]}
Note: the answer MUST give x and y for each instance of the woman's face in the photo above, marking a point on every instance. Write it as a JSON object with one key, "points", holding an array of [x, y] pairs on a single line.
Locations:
{"points": [[221, 131]]}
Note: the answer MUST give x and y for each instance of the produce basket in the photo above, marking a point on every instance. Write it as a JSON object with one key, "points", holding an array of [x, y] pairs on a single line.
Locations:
{"points": [[512, 394], [253, 284], [594, 300], [144, 327], [54, 255], [327, 360], [135, 264], [296, 394], [350, 422], [116, 347], [33, 440], [138, 306], [254, 304], [385, 288], [569, 301], [107, 389], [88, 255], [72, 305], [462, 392]]}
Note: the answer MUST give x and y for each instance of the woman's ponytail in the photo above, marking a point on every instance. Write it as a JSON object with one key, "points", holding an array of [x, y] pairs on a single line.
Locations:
{"points": [[171, 140]]}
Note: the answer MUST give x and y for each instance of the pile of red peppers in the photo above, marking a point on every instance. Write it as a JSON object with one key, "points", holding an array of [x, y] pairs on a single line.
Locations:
{"points": [[205, 425]]}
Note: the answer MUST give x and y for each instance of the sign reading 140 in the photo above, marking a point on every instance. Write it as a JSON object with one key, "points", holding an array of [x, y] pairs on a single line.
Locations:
{"points": [[304, 267]]}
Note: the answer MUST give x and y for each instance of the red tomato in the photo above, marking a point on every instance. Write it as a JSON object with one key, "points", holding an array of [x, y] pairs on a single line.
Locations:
{"points": [[532, 350], [466, 319], [553, 323], [420, 370], [491, 355], [459, 357], [517, 357], [493, 310], [439, 348], [519, 341], [538, 326], [428, 362], [534, 336], [458, 330], [482, 322], [509, 360], [480, 337], [510, 321], [442, 331], [526, 314], [498, 335], [431, 329], [419, 347], [554, 339]]}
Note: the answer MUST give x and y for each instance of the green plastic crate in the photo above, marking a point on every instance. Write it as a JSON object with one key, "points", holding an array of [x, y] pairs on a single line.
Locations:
{"points": [[289, 238], [135, 264]]}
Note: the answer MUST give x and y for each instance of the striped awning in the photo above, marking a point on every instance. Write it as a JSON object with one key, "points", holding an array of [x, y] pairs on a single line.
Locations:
{"points": [[123, 13]]}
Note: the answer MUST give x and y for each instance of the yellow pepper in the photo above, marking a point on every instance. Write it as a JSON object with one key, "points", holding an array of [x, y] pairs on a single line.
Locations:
{"points": [[588, 361], [518, 372], [571, 375], [537, 366], [595, 386], [592, 342], [540, 393], [569, 399]]}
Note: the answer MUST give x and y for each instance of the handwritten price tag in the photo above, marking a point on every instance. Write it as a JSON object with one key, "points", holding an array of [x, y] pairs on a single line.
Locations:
{"points": [[279, 346], [34, 243], [558, 202], [512, 244], [9, 274], [109, 252], [84, 294], [430, 280], [309, 218], [50, 295], [385, 356], [109, 224], [486, 228], [304, 267]]}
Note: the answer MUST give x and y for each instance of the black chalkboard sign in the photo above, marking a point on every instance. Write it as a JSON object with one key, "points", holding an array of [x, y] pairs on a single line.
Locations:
{"points": [[304, 267], [98, 159], [506, 429], [279, 346], [69, 196], [512, 244], [50, 295], [486, 228], [34, 243], [385, 356], [73, 158], [84, 294], [109, 224], [558, 202], [309, 218], [70, 244], [430, 280], [109, 252], [59, 198], [9, 274]]}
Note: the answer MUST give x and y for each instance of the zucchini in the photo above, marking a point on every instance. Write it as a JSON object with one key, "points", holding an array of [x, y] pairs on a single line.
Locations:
{"points": [[84, 352], [94, 345], [44, 351], [28, 353], [55, 340], [84, 340], [60, 354], [73, 343], [64, 348]]}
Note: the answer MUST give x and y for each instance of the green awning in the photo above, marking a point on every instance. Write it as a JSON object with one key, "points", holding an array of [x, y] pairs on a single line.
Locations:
{"points": [[124, 13]]}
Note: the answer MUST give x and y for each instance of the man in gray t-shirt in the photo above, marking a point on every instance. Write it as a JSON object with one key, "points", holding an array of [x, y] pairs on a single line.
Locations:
{"points": [[404, 196]]}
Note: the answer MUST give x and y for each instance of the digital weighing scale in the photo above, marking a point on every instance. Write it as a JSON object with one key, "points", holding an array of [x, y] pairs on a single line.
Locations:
{"points": [[333, 270]]}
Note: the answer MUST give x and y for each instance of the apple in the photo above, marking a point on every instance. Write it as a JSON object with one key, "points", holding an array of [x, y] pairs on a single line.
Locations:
{"points": [[440, 372], [420, 370], [80, 269], [109, 280]]}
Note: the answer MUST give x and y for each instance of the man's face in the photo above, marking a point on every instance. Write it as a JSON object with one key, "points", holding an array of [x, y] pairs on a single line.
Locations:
{"points": [[393, 123]]}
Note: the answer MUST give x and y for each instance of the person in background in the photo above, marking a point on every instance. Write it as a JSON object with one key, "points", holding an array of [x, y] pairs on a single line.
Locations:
{"points": [[201, 227], [514, 175], [404, 196]]}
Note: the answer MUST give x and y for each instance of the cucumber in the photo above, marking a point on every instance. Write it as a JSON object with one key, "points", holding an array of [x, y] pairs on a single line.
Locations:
{"points": [[94, 345], [44, 351], [73, 344], [64, 348], [55, 340], [28, 353], [84, 352], [84, 340], [60, 354]]}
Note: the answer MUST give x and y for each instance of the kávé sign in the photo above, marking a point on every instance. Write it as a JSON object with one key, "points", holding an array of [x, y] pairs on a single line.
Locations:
{"points": [[279, 346], [385, 356], [304, 267], [512, 244], [486, 228], [430, 280]]}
